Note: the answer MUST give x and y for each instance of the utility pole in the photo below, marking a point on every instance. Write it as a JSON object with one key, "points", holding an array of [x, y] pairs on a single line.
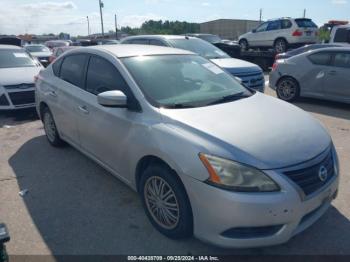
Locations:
{"points": [[101, 6], [88, 22], [260, 19], [116, 26], [304, 13]]}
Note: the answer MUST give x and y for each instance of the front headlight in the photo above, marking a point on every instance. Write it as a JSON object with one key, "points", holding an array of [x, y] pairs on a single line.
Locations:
{"points": [[235, 176]]}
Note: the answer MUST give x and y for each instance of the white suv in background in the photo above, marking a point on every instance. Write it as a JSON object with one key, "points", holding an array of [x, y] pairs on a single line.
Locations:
{"points": [[280, 34]]}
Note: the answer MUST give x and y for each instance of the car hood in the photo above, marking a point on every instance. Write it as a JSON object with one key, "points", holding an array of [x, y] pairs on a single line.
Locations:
{"points": [[18, 75], [41, 54], [260, 131], [233, 65]]}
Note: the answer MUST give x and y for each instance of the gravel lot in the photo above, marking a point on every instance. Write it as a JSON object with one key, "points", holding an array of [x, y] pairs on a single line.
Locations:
{"points": [[76, 207]]}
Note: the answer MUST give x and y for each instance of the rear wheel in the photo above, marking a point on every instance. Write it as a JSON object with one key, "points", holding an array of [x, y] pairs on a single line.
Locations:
{"points": [[280, 46], [288, 89], [165, 202], [51, 129], [244, 45]]}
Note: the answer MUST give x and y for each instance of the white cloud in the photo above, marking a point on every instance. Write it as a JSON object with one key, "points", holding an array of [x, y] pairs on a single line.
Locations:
{"points": [[205, 4], [339, 2], [49, 6]]}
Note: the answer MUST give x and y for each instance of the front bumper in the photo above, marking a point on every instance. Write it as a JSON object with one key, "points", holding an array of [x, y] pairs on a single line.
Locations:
{"points": [[17, 99], [242, 220]]}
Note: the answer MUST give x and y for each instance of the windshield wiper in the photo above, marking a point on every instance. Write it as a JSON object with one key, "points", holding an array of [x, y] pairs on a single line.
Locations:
{"points": [[229, 98], [178, 106]]}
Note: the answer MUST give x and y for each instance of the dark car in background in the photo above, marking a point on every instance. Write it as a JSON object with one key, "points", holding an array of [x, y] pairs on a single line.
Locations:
{"points": [[231, 48]]}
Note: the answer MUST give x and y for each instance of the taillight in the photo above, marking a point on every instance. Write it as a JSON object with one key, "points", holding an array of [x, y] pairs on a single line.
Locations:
{"points": [[297, 33], [274, 66]]}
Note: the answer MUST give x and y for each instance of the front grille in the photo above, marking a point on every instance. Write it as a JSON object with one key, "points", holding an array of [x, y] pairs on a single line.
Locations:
{"points": [[253, 80], [22, 98], [310, 179], [251, 232], [20, 86], [4, 101]]}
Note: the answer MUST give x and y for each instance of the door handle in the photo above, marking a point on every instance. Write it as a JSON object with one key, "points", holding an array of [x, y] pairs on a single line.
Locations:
{"points": [[83, 109], [53, 94], [332, 73]]}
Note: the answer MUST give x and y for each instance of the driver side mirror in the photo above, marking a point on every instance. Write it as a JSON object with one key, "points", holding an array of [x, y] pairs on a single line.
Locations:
{"points": [[254, 31], [113, 98]]}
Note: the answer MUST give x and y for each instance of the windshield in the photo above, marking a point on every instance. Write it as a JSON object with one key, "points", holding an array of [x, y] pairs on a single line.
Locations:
{"points": [[37, 48], [180, 81], [305, 23], [198, 46], [15, 58], [210, 38]]}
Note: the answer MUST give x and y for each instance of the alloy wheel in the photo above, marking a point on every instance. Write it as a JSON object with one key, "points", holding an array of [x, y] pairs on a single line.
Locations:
{"points": [[161, 202], [49, 126], [287, 90]]}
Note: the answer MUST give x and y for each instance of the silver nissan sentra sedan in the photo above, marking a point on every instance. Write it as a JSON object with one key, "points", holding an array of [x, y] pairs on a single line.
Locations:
{"points": [[207, 156]]}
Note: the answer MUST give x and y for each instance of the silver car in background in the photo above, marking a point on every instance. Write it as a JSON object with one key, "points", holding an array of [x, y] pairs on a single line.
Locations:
{"points": [[322, 73], [17, 72], [250, 74], [40, 52], [207, 156]]}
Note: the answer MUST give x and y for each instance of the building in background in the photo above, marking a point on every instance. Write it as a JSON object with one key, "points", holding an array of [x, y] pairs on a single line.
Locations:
{"points": [[228, 28]]}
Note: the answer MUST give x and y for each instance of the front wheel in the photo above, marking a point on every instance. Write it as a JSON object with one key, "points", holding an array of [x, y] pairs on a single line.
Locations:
{"points": [[288, 89], [165, 202], [280, 46]]}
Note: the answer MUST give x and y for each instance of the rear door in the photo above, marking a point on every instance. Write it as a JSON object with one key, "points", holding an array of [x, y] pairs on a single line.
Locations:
{"points": [[274, 30], [315, 70], [338, 78], [69, 88], [258, 38]]}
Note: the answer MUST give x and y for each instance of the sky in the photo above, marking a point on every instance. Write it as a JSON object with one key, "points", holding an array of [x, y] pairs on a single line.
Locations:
{"points": [[37, 17]]}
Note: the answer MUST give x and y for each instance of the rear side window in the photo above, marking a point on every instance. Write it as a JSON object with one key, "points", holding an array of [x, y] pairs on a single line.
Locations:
{"points": [[102, 76], [342, 35], [342, 60], [274, 25], [72, 69], [286, 24], [321, 58], [305, 23]]}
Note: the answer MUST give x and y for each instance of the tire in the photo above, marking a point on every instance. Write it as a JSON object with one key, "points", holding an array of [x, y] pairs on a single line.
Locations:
{"points": [[280, 46], [50, 129], [288, 89], [177, 224], [244, 45]]}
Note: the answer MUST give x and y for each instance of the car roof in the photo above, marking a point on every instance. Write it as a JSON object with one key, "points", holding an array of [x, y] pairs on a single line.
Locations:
{"points": [[10, 47], [121, 51], [338, 48], [158, 37]]}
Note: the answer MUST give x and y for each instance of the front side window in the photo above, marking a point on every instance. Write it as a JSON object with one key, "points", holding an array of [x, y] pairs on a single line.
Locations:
{"points": [[176, 81], [262, 28], [342, 60], [72, 69], [322, 58], [198, 46], [102, 76], [15, 58], [274, 25]]}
